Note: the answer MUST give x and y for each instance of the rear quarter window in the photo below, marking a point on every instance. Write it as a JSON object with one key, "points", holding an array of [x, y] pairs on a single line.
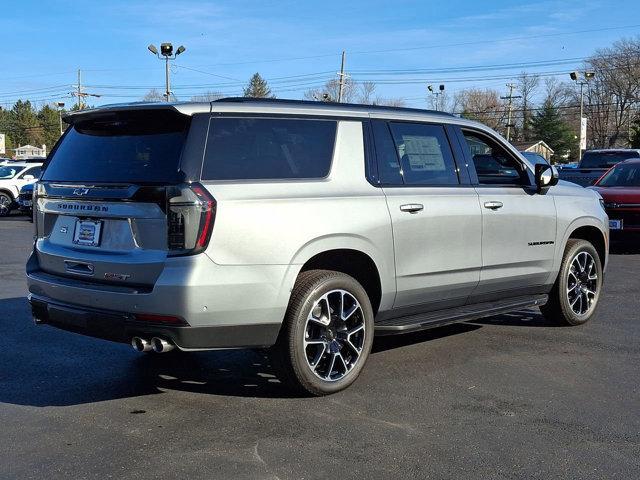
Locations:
{"points": [[268, 148]]}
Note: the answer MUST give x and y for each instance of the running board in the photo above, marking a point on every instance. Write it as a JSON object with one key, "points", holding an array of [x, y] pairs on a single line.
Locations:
{"points": [[422, 321]]}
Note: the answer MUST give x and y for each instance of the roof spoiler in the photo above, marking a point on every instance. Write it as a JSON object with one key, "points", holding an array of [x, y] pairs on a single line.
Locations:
{"points": [[73, 117]]}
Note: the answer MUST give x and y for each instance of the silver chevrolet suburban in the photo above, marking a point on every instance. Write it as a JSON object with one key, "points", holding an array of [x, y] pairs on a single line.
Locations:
{"points": [[304, 227]]}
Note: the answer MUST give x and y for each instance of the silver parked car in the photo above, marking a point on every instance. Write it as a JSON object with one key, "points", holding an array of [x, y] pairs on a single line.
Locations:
{"points": [[301, 226]]}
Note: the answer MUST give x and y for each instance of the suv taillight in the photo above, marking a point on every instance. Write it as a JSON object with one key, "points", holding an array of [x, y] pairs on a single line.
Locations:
{"points": [[191, 212]]}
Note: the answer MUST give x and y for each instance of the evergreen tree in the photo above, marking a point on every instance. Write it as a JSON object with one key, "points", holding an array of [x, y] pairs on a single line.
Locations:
{"points": [[548, 126], [635, 134], [25, 128], [49, 120], [6, 128], [258, 88]]}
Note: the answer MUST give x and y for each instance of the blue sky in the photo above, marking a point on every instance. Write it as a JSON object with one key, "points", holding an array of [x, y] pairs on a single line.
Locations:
{"points": [[45, 42]]}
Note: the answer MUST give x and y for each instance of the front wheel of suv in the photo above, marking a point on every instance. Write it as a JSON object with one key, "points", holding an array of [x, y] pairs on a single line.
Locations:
{"points": [[575, 295], [326, 335]]}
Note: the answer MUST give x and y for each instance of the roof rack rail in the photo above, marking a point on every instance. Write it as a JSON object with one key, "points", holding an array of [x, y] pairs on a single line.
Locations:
{"points": [[311, 103]]}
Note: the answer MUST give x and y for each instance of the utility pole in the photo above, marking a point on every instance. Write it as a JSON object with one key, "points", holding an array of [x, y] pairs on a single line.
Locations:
{"points": [[510, 97], [342, 79], [80, 94]]}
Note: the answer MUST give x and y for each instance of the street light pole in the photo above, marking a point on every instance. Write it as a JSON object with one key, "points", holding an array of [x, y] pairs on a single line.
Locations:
{"points": [[582, 84], [575, 76], [437, 95], [60, 107], [166, 51], [167, 81]]}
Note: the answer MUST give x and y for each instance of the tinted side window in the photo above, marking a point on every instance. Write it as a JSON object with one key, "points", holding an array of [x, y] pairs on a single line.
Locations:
{"points": [[493, 164], [388, 165], [425, 154], [32, 171], [268, 148]]}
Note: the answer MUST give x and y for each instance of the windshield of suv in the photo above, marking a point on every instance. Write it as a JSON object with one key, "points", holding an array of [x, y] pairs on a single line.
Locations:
{"points": [[121, 147], [7, 172], [606, 159], [622, 175]]}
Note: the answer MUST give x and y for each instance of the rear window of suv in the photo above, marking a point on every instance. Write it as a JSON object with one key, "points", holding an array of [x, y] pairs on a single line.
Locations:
{"points": [[606, 159], [268, 148], [142, 146]]}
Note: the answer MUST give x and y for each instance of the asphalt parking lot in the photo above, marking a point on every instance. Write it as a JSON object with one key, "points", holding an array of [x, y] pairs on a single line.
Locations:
{"points": [[507, 397]]}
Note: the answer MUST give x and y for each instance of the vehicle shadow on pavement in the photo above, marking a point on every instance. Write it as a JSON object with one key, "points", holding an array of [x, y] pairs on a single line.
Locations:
{"points": [[390, 342], [625, 248], [42, 366], [522, 318], [16, 216]]}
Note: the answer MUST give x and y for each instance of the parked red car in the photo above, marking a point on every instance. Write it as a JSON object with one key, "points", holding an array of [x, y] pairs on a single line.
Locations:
{"points": [[620, 190]]}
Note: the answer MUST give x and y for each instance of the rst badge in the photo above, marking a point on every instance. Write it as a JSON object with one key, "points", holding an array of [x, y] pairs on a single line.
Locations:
{"points": [[116, 276]]}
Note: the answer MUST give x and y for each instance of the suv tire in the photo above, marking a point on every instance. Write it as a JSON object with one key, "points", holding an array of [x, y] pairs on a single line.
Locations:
{"points": [[6, 202], [575, 294], [327, 333]]}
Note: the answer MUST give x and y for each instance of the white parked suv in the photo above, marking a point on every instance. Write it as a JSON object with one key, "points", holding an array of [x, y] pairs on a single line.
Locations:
{"points": [[304, 227], [14, 176]]}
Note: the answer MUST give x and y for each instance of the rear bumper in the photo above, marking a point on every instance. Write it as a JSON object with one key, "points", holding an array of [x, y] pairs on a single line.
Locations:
{"points": [[121, 327], [224, 306]]}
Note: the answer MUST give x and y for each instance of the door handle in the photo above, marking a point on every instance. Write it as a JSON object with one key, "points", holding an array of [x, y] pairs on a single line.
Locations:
{"points": [[411, 207], [493, 205]]}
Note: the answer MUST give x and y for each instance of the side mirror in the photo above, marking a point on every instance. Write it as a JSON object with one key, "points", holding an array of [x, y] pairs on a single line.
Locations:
{"points": [[546, 176], [28, 178]]}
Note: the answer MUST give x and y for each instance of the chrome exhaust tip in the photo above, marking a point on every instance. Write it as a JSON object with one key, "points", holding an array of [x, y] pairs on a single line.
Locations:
{"points": [[160, 345], [140, 344]]}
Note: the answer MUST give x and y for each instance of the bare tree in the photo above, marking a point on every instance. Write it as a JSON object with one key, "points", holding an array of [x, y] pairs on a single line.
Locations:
{"points": [[485, 106], [389, 102], [153, 95], [208, 96], [527, 86], [329, 91], [613, 93], [353, 92], [365, 93]]}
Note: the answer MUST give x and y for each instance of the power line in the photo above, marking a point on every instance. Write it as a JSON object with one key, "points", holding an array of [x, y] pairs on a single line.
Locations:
{"points": [[509, 39], [324, 76], [426, 47], [483, 68]]}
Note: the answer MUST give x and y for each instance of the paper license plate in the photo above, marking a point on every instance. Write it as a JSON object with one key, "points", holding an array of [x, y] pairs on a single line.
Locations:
{"points": [[87, 232]]}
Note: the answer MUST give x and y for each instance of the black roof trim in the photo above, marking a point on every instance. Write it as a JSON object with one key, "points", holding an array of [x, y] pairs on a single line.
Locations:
{"points": [[312, 103]]}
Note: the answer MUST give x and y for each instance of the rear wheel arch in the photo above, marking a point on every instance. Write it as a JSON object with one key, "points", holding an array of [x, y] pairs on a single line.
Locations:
{"points": [[354, 263]]}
